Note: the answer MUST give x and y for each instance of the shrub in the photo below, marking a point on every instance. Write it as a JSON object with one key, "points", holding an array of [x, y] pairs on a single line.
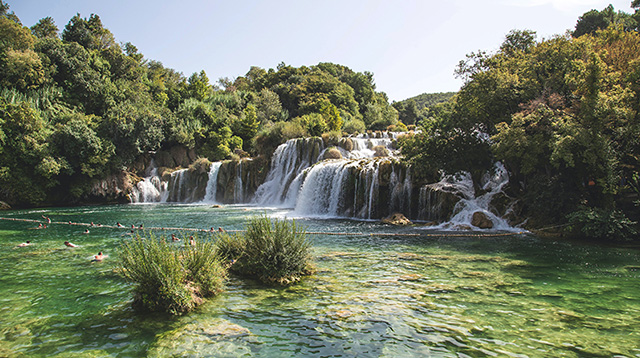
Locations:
{"points": [[331, 138], [170, 279], [380, 151], [332, 153], [597, 223], [354, 126], [230, 248], [275, 252]]}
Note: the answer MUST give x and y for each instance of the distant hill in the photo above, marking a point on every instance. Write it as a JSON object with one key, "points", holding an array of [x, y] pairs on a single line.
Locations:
{"points": [[429, 99], [411, 110]]}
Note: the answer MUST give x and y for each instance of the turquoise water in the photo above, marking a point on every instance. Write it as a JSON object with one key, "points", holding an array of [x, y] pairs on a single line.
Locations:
{"points": [[432, 296]]}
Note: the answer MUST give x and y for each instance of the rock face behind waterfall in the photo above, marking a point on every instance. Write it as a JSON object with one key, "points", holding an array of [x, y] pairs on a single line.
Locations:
{"points": [[238, 181]]}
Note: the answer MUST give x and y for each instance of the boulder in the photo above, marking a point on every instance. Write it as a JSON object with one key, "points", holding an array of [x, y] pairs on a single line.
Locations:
{"points": [[4, 206], [380, 151], [397, 219], [481, 220], [332, 153]]}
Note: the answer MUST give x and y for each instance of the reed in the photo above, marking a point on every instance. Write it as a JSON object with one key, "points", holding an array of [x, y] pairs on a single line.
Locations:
{"points": [[168, 277], [275, 251]]}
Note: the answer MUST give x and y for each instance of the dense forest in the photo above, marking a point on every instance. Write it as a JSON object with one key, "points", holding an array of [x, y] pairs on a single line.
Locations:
{"points": [[561, 114], [76, 106]]}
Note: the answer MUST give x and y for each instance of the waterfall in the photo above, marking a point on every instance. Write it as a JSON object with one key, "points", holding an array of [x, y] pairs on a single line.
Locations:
{"points": [[492, 184], [289, 160], [238, 188], [365, 180], [211, 191], [151, 188], [178, 190], [322, 189]]}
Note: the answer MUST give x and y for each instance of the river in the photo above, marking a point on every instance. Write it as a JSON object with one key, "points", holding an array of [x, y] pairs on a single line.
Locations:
{"points": [[435, 295]]}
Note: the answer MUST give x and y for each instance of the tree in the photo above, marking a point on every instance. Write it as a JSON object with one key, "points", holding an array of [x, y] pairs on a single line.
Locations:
{"points": [[518, 41], [198, 86], [45, 28]]}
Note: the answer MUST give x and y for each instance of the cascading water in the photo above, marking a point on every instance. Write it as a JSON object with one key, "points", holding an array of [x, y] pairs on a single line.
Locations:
{"points": [[468, 204], [211, 191], [151, 188], [289, 160], [362, 179]]}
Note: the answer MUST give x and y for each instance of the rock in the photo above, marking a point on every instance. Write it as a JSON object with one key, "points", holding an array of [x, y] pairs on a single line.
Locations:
{"points": [[481, 220], [4, 206], [346, 144], [380, 151], [205, 338], [332, 153], [397, 219]]}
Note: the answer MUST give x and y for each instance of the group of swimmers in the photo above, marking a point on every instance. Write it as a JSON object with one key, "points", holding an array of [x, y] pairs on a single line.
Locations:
{"points": [[98, 257]]}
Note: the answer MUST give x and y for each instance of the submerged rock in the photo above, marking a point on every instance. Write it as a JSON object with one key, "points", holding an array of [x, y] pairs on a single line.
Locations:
{"points": [[216, 337], [481, 220], [397, 219]]}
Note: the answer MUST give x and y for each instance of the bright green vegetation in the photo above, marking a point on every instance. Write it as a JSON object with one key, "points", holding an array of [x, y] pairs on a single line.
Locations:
{"points": [[169, 278], [76, 107], [561, 114], [370, 296], [412, 110], [271, 250]]}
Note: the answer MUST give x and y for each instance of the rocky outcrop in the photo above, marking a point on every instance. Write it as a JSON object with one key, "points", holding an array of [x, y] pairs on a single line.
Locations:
{"points": [[238, 180], [115, 188], [397, 219], [481, 220], [177, 156], [332, 153]]}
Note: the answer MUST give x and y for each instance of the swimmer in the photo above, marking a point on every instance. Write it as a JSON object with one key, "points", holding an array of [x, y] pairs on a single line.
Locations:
{"points": [[192, 242], [86, 231], [174, 238], [99, 256], [119, 225], [47, 218], [220, 229], [67, 243], [25, 244]]}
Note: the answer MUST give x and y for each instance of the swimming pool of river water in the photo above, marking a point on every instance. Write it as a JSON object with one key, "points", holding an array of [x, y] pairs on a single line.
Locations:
{"points": [[372, 296]]}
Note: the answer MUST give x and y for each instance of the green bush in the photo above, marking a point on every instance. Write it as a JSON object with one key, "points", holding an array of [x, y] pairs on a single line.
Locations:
{"points": [[230, 247], [168, 278], [597, 223], [275, 252]]}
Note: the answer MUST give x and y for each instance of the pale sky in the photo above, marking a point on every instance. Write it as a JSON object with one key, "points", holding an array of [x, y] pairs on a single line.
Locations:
{"points": [[410, 46]]}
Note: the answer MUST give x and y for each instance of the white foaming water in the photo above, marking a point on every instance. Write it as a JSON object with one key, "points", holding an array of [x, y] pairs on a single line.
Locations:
{"points": [[289, 160], [150, 189], [493, 183], [212, 183]]}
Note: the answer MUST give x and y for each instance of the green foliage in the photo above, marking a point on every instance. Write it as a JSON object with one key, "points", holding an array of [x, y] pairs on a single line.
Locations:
{"points": [[168, 278], [45, 28], [354, 126], [273, 251], [603, 224]]}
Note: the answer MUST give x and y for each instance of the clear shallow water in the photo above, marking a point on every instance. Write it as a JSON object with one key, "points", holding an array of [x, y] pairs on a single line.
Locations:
{"points": [[371, 297]]}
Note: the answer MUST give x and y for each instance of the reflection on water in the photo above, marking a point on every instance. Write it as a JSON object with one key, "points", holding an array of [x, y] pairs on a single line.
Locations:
{"points": [[371, 297]]}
